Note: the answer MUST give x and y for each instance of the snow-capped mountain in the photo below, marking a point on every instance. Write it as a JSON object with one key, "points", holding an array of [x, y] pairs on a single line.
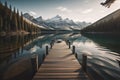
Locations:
{"points": [[55, 19], [28, 16], [39, 19], [57, 22]]}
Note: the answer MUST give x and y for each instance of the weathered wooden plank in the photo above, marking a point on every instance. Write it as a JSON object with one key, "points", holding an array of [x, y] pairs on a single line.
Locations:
{"points": [[60, 77], [43, 69], [60, 74], [60, 64], [75, 62], [64, 64], [60, 71]]}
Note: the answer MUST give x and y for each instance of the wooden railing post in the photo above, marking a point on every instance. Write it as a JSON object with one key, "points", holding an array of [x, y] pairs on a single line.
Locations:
{"points": [[84, 59], [76, 55], [46, 50], [73, 50], [69, 44], [51, 44], [33, 61], [84, 62]]}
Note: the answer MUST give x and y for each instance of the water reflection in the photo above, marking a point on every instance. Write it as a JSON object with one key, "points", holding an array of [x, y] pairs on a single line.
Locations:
{"points": [[21, 56], [105, 57]]}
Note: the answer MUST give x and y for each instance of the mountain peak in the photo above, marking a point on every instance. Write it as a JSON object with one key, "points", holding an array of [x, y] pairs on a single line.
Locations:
{"points": [[67, 19], [28, 16], [39, 18], [57, 17]]}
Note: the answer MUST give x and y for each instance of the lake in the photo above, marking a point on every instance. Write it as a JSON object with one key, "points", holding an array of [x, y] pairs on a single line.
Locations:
{"points": [[21, 56]]}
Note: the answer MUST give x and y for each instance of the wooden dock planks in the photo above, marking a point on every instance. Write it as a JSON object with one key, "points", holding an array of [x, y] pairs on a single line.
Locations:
{"points": [[60, 64]]}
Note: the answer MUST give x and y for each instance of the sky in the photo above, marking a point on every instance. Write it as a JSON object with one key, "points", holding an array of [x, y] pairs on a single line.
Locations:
{"points": [[77, 10]]}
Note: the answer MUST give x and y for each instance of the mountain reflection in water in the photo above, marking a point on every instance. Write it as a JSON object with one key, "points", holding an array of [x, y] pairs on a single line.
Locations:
{"points": [[21, 56]]}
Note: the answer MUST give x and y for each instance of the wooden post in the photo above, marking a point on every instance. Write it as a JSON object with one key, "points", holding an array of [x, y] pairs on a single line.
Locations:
{"points": [[46, 50], [51, 44], [69, 44], [33, 61], [84, 62], [73, 50], [37, 62], [76, 55]]}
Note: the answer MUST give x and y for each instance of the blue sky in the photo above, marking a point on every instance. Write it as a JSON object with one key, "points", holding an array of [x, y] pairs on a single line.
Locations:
{"points": [[78, 10]]}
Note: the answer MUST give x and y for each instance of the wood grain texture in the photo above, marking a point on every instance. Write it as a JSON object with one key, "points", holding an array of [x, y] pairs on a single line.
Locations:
{"points": [[60, 64]]}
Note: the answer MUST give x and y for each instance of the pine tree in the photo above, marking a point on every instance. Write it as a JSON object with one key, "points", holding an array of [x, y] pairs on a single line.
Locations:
{"points": [[15, 20], [21, 21], [1, 23], [11, 14], [5, 17], [6, 4], [18, 20]]}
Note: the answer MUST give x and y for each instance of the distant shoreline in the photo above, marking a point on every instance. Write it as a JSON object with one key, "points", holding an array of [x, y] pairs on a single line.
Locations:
{"points": [[15, 33]]}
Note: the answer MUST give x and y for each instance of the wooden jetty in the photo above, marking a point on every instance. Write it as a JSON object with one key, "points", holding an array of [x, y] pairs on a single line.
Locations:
{"points": [[60, 64]]}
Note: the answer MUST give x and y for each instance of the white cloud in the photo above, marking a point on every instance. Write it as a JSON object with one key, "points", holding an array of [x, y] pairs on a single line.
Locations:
{"points": [[63, 9], [87, 11], [32, 13]]}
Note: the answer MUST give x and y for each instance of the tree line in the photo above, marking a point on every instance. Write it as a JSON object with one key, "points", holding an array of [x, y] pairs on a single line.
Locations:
{"points": [[13, 21], [109, 24]]}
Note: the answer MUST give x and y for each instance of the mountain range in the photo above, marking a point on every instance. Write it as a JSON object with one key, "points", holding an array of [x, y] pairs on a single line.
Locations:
{"points": [[57, 23]]}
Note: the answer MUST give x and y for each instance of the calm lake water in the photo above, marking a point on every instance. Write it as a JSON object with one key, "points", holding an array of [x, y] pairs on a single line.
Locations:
{"points": [[21, 56]]}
